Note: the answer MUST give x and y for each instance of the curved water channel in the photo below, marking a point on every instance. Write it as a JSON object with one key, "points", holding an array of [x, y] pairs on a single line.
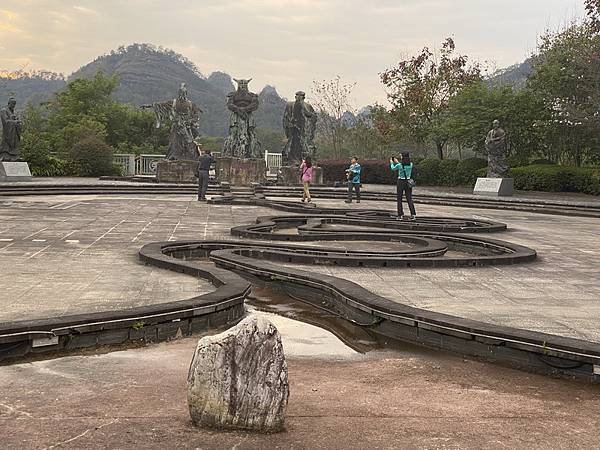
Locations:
{"points": [[309, 331]]}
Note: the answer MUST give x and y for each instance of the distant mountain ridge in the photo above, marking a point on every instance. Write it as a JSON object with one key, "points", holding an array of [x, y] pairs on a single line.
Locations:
{"points": [[515, 75], [150, 74]]}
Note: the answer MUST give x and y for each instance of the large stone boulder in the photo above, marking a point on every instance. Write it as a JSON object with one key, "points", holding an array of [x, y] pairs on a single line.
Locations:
{"points": [[239, 379]]}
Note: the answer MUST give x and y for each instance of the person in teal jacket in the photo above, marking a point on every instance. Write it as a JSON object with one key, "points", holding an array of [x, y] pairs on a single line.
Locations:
{"points": [[406, 171], [353, 175]]}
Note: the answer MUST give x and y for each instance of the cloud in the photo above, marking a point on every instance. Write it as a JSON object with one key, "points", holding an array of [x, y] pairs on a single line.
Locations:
{"points": [[84, 10], [287, 43]]}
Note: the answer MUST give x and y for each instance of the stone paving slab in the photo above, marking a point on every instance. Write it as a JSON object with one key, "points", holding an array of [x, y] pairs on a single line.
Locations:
{"points": [[66, 254]]}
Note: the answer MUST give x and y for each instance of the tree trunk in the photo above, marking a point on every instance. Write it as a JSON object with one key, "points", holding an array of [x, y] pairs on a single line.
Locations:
{"points": [[440, 150]]}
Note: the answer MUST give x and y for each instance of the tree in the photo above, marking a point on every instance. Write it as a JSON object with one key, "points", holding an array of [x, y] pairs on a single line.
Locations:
{"points": [[472, 111], [332, 100], [592, 8], [270, 140], [567, 79], [86, 111], [420, 90], [364, 139]]}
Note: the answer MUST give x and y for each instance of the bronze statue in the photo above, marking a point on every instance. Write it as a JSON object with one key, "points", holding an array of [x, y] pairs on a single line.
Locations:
{"points": [[495, 144], [11, 132], [242, 141], [300, 125], [185, 116]]}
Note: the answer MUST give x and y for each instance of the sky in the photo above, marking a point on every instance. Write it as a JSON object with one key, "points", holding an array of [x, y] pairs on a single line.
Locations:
{"points": [[284, 43]]}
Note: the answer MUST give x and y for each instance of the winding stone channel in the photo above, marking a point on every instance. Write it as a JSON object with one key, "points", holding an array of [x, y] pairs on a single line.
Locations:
{"points": [[258, 258], [314, 236]]}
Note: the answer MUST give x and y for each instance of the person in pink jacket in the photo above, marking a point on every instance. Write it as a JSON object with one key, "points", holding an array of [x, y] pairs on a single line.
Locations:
{"points": [[306, 172]]}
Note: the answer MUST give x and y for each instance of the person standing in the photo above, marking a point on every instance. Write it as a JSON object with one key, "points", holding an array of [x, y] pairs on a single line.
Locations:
{"points": [[404, 184], [353, 175], [306, 172], [204, 163]]}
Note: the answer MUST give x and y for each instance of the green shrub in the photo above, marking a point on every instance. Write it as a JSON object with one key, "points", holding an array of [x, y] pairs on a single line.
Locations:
{"points": [[553, 178], [50, 167], [91, 157]]}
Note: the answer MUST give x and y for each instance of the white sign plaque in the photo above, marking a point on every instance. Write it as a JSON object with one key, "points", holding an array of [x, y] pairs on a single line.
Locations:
{"points": [[14, 171], [494, 187]]}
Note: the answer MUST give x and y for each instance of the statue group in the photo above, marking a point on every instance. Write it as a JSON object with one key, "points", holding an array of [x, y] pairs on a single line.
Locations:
{"points": [[11, 132], [299, 124]]}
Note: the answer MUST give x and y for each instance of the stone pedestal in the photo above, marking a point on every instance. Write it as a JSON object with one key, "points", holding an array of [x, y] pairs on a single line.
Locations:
{"points": [[290, 176], [177, 171], [494, 187], [14, 171], [241, 171]]}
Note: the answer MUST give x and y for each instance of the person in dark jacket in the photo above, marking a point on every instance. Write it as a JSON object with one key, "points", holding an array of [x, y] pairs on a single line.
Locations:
{"points": [[204, 163], [406, 171]]}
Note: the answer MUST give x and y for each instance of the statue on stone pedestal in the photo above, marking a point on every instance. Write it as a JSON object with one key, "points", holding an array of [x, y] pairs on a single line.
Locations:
{"points": [[242, 141], [300, 125], [185, 116], [495, 144], [11, 132]]}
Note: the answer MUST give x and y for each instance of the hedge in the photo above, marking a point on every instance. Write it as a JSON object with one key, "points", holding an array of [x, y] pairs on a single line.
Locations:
{"points": [[552, 178], [451, 172], [431, 171]]}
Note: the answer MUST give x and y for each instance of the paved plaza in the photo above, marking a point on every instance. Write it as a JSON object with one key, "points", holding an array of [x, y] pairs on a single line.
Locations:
{"points": [[68, 254]]}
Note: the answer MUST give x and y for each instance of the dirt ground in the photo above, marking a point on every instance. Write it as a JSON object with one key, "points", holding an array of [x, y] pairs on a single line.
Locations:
{"points": [[390, 399]]}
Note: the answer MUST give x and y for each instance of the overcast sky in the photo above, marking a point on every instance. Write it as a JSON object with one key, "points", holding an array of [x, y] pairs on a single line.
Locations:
{"points": [[286, 43]]}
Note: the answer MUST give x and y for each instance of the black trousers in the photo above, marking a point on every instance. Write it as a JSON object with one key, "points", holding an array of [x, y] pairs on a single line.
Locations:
{"points": [[401, 189], [356, 187], [202, 184]]}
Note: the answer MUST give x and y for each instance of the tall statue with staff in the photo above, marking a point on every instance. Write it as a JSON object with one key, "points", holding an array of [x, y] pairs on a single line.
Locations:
{"points": [[185, 128], [11, 132]]}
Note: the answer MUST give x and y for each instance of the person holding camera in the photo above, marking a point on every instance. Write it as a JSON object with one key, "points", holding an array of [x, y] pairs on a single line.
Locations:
{"points": [[405, 184], [353, 176], [306, 172]]}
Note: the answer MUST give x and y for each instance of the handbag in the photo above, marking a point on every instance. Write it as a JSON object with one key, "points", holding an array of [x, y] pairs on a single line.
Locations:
{"points": [[409, 181]]}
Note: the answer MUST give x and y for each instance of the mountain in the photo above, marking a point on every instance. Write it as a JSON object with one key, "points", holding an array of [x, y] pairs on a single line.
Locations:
{"points": [[222, 81], [150, 74], [30, 87], [271, 110], [515, 75]]}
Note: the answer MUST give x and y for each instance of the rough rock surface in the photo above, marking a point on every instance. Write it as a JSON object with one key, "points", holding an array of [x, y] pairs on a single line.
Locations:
{"points": [[239, 379]]}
